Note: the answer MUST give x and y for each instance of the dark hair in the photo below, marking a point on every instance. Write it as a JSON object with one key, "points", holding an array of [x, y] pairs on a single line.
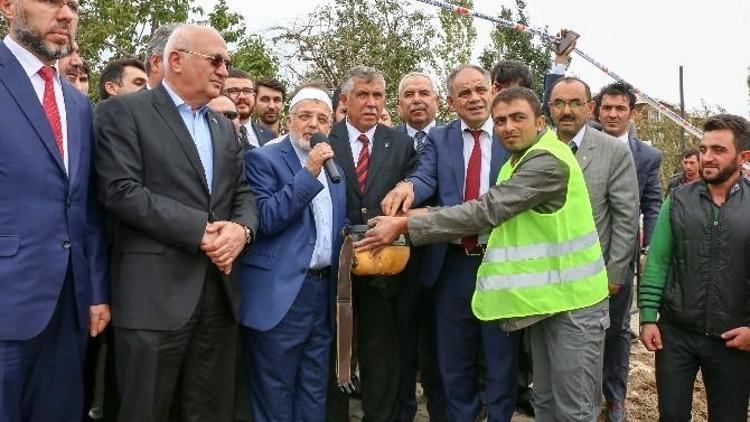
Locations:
{"points": [[617, 88], [519, 93], [690, 153], [113, 71], [739, 126], [272, 84], [571, 79], [156, 43], [238, 74], [509, 71]]}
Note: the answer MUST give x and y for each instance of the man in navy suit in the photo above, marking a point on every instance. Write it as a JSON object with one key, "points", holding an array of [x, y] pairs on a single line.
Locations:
{"points": [[461, 161], [288, 278], [53, 266], [417, 106]]}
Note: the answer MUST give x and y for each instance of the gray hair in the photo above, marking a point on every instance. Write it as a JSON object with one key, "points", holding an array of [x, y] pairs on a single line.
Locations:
{"points": [[157, 43], [456, 71], [366, 73], [411, 75]]}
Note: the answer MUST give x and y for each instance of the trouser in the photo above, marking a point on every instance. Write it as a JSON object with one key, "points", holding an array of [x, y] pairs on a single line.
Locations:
{"points": [[726, 375], [567, 353], [617, 346], [42, 377], [379, 345], [182, 375], [462, 339], [416, 308], [287, 366]]}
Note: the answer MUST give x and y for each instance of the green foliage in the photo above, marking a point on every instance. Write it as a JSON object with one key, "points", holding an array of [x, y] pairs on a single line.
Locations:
{"points": [[508, 44], [334, 38], [252, 56]]}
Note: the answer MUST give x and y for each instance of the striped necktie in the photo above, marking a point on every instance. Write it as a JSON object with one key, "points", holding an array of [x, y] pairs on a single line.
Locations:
{"points": [[363, 162], [419, 137]]}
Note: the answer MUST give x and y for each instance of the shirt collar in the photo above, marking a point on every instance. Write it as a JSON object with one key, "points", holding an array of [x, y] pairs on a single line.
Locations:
{"points": [[354, 131], [413, 132], [624, 138], [178, 101], [579, 137], [486, 127], [29, 62]]}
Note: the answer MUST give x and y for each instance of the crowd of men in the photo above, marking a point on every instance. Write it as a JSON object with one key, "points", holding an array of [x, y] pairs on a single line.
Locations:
{"points": [[176, 246]]}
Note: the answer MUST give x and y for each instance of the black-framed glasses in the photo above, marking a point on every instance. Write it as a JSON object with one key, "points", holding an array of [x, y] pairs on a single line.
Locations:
{"points": [[235, 92], [229, 114], [216, 60]]}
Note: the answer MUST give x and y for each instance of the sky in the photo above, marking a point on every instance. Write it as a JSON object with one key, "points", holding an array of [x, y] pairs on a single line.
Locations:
{"points": [[644, 41]]}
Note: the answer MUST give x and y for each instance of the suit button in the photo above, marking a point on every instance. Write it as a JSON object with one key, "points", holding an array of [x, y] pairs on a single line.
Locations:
{"points": [[66, 244], [364, 210], [69, 202]]}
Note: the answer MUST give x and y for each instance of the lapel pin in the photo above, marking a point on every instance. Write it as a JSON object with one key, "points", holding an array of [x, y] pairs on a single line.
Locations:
{"points": [[387, 144]]}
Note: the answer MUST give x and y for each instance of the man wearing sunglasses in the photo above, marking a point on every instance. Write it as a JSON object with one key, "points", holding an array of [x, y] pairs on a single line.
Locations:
{"points": [[225, 106], [171, 176]]}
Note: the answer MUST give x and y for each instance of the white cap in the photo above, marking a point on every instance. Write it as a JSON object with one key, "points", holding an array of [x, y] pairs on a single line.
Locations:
{"points": [[311, 94]]}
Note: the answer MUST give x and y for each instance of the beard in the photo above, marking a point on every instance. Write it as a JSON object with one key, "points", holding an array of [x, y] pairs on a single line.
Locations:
{"points": [[724, 174], [301, 142], [32, 39]]}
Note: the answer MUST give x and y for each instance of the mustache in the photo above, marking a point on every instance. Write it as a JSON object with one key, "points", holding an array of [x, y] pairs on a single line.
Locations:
{"points": [[567, 117]]}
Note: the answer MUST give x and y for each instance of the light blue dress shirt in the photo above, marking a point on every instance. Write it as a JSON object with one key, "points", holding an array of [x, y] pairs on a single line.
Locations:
{"points": [[323, 215], [196, 123]]}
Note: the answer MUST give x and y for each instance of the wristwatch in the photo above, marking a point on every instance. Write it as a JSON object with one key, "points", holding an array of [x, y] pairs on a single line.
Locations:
{"points": [[248, 234]]}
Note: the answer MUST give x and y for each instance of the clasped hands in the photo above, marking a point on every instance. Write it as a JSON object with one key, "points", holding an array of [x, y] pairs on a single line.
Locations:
{"points": [[222, 242], [396, 207]]}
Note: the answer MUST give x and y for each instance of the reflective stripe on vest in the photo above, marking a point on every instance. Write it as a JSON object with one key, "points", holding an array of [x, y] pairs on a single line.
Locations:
{"points": [[540, 250], [514, 281]]}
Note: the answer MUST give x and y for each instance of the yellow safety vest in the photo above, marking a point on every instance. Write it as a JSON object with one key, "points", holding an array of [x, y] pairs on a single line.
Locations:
{"points": [[539, 263]]}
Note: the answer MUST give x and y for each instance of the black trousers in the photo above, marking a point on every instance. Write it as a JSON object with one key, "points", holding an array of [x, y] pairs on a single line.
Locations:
{"points": [[183, 375], [726, 375]]}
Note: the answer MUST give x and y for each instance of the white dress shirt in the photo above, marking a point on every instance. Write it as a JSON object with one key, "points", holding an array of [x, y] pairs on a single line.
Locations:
{"points": [[31, 65], [251, 137], [323, 216], [579, 137], [624, 138], [413, 132], [485, 145], [354, 142]]}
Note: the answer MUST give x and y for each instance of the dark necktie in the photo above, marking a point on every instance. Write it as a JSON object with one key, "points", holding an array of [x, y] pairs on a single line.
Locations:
{"points": [[573, 147], [363, 162], [471, 190], [50, 106], [419, 137]]}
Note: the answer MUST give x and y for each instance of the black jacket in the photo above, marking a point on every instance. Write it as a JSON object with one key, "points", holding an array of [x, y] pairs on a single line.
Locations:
{"points": [[708, 283]]}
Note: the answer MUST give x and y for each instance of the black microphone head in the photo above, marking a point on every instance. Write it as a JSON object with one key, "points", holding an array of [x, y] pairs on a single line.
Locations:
{"points": [[318, 138]]}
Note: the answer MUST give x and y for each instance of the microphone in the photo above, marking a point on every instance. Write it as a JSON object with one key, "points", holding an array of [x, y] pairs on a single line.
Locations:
{"points": [[328, 165]]}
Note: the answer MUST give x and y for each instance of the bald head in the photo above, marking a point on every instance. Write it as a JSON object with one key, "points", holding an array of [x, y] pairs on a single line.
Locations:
{"points": [[196, 63]]}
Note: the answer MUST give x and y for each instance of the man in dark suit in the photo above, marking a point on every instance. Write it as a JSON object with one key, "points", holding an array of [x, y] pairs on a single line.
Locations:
{"points": [[171, 175], [417, 106], [289, 275], [53, 268], [374, 158], [616, 104], [460, 162]]}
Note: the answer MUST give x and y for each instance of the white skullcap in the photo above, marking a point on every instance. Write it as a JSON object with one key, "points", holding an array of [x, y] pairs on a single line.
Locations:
{"points": [[311, 94]]}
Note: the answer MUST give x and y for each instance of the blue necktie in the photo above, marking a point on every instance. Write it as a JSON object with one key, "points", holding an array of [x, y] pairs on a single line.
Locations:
{"points": [[419, 137]]}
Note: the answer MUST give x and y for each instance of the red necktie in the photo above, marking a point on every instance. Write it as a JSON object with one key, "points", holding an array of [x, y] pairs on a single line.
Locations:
{"points": [[50, 106], [363, 162], [471, 190]]}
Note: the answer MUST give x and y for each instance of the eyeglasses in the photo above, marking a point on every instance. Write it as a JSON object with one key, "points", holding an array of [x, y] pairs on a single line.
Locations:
{"points": [[58, 4], [307, 117], [235, 92], [560, 104], [216, 59], [231, 115]]}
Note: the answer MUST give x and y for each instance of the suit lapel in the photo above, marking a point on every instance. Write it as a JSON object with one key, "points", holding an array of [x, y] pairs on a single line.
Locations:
{"points": [[73, 121], [18, 84], [215, 129], [381, 149], [166, 109], [497, 159], [585, 153], [456, 142], [289, 156], [344, 156]]}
